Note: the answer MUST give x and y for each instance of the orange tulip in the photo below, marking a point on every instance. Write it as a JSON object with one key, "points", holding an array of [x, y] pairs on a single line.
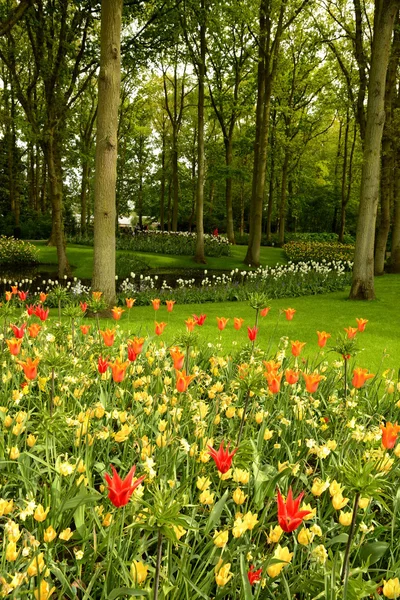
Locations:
{"points": [[291, 376], [85, 329], [9, 295], [108, 336], [130, 302], [14, 290], [265, 311], [274, 381], [222, 321], [177, 356], [170, 305], [33, 330], [14, 346], [312, 381], [159, 327], [156, 303], [190, 324], [297, 347], [389, 434], [183, 380], [43, 297], [361, 324], [323, 337], [118, 369], [237, 323], [137, 344], [96, 296], [351, 332], [360, 376], [272, 366], [289, 312], [117, 312], [29, 367]]}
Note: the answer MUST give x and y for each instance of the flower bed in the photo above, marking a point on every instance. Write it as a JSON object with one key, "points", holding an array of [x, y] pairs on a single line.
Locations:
{"points": [[132, 466], [17, 252], [178, 243], [319, 251]]}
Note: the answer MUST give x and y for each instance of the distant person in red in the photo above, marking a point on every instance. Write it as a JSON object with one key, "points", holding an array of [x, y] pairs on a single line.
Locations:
{"points": [[215, 232]]}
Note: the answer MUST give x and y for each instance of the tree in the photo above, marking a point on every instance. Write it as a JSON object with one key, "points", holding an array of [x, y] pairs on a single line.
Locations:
{"points": [[106, 149], [272, 25], [363, 272]]}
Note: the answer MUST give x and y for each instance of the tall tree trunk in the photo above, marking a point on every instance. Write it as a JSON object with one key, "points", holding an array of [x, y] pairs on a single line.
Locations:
{"points": [[175, 179], [241, 229], [282, 208], [201, 66], [363, 272], [169, 216], [395, 255], [162, 181], [52, 152], [271, 179], [84, 191], [266, 77], [387, 167], [343, 187], [106, 150], [230, 229]]}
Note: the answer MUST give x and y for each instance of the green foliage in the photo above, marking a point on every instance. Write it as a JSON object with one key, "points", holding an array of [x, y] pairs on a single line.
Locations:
{"points": [[318, 251], [17, 252], [177, 243]]}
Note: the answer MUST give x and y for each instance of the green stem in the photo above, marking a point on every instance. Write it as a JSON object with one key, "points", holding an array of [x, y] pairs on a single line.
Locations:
{"points": [[158, 564], [345, 378], [243, 418], [346, 565]]}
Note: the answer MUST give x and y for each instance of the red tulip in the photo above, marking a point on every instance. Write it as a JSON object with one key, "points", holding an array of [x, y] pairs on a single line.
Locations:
{"points": [[389, 434], [222, 458], [19, 331], [361, 323], [41, 313], [199, 320], [132, 356], [289, 312], [22, 295], [322, 338], [254, 576], [183, 380], [222, 321], [159, 327], [83, 306], [30, 367], [252, 333], [120, 490], [30, 309], [289, 515], [170, 305], [102, 364]]}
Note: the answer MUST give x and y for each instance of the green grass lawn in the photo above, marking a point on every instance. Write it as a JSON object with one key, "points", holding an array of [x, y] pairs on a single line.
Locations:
{"points": [[81, 259], [330, 312]]}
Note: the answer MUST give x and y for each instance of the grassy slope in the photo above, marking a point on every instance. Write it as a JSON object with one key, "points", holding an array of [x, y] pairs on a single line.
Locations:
{"points": [[81, 257], [330, 312]]}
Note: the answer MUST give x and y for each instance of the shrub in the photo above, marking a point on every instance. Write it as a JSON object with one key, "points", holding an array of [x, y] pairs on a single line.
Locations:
{"points": [[243, 240], [178, 243], [318, 251], [17, 252]]}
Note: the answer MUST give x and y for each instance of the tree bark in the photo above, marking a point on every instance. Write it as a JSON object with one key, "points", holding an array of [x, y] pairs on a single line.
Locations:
{"points": [[52, 153], [201, 67], [84, 190], [395, 255], [387, 167], [106, 150], [162, 179], [282, 208], [230, 229], [363, 272]]}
